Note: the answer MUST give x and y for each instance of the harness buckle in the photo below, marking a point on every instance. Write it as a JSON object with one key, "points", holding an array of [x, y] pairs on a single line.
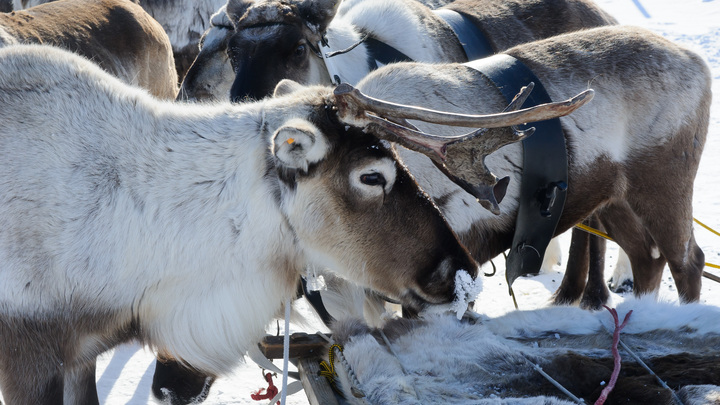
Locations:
{"points": [[548, 197]]}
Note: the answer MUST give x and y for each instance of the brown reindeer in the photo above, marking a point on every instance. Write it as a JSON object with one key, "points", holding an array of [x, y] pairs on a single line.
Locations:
{"points": [[183, 21], [118, 35], [641, 137]]}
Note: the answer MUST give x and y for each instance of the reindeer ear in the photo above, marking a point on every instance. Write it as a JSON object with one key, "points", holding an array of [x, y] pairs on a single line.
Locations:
{"points": [[318, 12], [298, 144], [285, 87], [220, 18]]}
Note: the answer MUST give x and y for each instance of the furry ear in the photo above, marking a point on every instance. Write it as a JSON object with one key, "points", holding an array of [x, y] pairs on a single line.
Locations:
{"points": [[318, 13], [220, 18], [235, 9], [285, 87], [298, 144]]}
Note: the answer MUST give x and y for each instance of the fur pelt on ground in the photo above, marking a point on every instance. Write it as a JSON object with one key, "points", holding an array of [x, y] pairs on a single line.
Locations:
{"points": [[490, 361]]}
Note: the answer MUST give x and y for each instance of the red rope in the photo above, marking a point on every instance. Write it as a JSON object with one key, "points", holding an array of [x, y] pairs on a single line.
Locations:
{"points": [[270, 391], [616, 354]]}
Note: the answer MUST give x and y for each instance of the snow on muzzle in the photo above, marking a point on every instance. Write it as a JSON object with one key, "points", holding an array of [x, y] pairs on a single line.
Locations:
{"points": [[452, 290]]}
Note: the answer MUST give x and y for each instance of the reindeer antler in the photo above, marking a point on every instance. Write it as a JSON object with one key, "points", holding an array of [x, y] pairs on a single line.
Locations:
{"points": [[358, 109]]}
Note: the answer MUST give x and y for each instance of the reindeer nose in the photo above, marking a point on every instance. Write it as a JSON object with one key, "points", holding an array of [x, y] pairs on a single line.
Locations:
{"points": [[464, 289]]}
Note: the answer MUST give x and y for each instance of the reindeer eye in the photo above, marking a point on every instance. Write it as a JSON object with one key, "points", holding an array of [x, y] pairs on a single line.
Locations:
{"points": [[300, 50], [373, 179]]}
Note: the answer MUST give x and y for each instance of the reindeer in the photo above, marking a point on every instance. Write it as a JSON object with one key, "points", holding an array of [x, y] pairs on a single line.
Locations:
{"points": [[118, 35], [183, 226], [642, 137], [252, 45], [183, 21]]}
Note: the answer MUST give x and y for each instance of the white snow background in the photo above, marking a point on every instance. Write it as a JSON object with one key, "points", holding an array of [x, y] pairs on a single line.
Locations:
{"points": [[124, 375]]}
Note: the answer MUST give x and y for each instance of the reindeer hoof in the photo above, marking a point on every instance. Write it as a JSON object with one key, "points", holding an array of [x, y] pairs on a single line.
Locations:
{"points": [[592, 303], [626, 286], [594, 299]]}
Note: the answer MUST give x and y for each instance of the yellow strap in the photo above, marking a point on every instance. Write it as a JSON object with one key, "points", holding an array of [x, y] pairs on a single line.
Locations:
{"points": [[706, 227], [593, 231], [606, 236]]}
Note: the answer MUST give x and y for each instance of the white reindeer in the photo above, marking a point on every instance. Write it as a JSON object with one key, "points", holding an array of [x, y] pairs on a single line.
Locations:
{"points": [[185, 227], [269, 40]]}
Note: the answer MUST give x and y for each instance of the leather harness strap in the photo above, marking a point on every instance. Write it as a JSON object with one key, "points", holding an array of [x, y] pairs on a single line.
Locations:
{"points": [[473, 41], [545, 169], [380, 53]]}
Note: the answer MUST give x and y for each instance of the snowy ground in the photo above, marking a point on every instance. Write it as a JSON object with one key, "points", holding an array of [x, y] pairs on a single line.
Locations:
{"points": [[124, 376]]}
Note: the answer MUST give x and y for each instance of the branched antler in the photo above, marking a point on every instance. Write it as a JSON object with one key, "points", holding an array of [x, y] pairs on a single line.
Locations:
{"points": [[388, 121]]}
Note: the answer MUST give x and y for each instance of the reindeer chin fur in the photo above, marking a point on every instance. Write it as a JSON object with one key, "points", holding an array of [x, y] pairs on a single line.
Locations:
{"points": [[442, 360]]}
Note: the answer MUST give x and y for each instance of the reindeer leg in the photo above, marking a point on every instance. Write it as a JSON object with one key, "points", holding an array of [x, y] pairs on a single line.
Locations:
{"points": [[629, 232], [80, 387], [688, 273], [665, 205], [31, 368], [596, 293], [576, 270], [685, 259], [621, 280], [553, 255]]}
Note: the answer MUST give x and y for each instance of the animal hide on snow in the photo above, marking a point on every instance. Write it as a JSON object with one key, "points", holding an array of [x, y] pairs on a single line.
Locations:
{"points": [[489, 361]]}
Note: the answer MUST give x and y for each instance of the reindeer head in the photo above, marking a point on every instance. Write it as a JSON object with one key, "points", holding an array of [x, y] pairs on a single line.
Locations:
{"points": [[210, 76], [276, 39], [356, 210]]}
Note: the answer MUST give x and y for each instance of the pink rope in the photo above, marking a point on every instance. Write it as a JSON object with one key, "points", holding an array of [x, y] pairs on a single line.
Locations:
{"points": [[616, 354]]}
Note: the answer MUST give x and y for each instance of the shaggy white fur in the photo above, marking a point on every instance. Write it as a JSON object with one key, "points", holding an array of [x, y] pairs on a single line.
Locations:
{"points": [[181, 226], [441, 360]]}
